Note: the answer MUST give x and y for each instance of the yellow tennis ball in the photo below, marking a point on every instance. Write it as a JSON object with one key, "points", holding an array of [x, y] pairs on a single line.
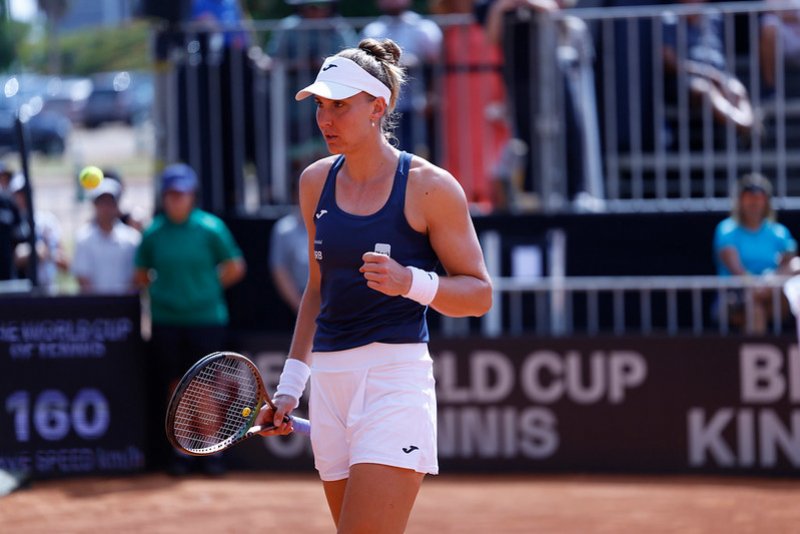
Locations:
{"points": [[246, 412], [90, 177]]}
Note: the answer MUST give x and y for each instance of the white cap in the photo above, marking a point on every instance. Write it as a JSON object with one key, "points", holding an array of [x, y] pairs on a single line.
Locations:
{"points": [[108, 186], [341, 78]]}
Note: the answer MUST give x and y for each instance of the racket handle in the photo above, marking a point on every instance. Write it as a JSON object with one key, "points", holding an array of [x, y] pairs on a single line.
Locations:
{"points": [[300, 425]]}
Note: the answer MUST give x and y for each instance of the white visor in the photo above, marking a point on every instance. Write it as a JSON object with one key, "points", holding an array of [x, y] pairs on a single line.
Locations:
{"points": [[341, 78]]}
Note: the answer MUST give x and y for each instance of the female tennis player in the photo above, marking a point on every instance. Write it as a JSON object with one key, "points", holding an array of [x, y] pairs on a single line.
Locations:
{"points": [[379, 221]]}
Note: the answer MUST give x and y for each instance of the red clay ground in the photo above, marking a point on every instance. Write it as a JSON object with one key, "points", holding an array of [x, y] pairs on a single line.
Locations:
{"points": [[256, 502]]}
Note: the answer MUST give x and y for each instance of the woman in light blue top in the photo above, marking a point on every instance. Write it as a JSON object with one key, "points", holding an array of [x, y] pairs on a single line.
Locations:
{"points": [[751, 242]]}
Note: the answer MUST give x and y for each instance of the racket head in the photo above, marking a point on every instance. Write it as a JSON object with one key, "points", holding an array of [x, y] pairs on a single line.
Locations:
{"points": [[215, 404]]}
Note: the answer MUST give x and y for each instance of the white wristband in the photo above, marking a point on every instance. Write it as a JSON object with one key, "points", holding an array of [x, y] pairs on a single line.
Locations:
{"points": [[424, 285], [293, 379]]}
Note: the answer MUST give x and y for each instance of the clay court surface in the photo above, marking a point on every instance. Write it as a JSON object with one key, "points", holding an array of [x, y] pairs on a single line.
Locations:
{"points": [[259, 502]]}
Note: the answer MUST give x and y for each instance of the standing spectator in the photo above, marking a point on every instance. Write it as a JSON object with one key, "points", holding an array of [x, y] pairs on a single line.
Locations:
{"points": [[5, 176], [421, 41], [779, 29], [186, 259], [214, 126], [304, 46], [516, 26], [133, 218], [104, 249], [216, 15], [751, 243], [708, 74], [49, 249], [476, 126], [302, 40], [288, 257], [11, 234]]}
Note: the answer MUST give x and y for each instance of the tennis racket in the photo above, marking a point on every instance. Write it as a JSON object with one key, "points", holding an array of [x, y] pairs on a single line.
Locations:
{"points": [[216, 404]]}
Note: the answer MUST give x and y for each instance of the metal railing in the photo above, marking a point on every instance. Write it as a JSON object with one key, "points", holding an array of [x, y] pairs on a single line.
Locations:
{"points": [[546, 302], [670, 305], [642, 142], [664, 150]]}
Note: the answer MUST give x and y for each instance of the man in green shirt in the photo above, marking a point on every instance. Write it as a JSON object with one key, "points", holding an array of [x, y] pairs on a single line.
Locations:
{"points": [[186, 260]]}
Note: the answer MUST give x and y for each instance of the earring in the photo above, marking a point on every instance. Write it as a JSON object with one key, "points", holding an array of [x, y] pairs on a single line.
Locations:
{"points": [[372, 123]]}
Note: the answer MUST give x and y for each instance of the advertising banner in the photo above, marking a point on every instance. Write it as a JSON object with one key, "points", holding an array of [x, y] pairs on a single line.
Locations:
{"points": [[71, 386], [615, 404]]}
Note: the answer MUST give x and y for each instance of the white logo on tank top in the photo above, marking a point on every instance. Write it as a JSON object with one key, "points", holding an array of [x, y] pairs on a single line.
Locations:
{"points": [[317, 252]]}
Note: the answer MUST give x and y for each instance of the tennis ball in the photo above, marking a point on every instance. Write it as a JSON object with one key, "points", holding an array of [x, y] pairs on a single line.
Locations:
{"points": [[90, 177], [246, 412]]}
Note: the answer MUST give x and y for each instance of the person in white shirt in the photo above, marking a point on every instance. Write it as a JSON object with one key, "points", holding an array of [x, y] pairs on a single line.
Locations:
{"points": [[50, 256], [104, 248]]}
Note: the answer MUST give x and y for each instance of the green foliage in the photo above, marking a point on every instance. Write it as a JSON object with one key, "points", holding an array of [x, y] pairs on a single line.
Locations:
{"points": [[11, 34], [91, 50]]}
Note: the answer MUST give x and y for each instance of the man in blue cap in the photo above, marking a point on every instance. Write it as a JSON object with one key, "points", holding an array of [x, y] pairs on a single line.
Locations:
{"points": [[186, 260]]}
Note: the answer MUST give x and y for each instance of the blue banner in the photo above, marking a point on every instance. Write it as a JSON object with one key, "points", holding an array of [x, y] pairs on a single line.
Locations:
{"points": [[71, 386]]}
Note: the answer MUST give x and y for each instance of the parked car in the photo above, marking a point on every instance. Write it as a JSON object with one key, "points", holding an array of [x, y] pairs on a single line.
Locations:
{"points": [[48, 131], [67, 96], [122, 96]]}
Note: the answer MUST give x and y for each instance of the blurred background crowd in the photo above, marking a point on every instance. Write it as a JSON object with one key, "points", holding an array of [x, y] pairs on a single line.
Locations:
{"points": [[536, 106]]}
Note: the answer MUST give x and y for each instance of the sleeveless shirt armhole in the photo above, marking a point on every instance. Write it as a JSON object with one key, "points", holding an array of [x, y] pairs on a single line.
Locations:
{"points": [[326, 188]]}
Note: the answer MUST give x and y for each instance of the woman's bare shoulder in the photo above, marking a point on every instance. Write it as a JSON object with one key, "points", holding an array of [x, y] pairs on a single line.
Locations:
{"points": [[429, 181], [317, 171]]}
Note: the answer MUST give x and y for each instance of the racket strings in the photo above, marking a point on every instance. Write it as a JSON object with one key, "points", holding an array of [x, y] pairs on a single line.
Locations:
{"points": [[217, 405]]}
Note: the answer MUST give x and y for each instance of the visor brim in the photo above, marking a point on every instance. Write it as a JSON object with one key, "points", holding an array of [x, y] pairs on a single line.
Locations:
{"points": [[327, 89]]}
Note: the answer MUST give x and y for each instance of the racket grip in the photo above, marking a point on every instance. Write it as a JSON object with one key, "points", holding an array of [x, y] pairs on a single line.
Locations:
{"points": [[301, 426]]}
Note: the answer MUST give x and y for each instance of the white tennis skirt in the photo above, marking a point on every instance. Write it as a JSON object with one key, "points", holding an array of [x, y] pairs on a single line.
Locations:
{"points": [[373, 404]]}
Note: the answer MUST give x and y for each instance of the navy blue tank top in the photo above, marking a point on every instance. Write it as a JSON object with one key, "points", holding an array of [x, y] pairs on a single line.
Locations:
{"points": [[351, 314]]}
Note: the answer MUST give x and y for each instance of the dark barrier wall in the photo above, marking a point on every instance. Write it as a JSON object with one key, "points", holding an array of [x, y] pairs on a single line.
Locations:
{"points": [[254, 303], [597, 245], [71, 386], [689, 405], [644, 244]]}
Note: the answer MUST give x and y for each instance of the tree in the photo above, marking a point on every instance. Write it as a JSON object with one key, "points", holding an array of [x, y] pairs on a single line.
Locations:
{"points": [[11, 34], [54, 10]]}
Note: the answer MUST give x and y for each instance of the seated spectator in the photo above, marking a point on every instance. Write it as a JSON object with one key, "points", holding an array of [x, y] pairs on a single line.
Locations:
{"points": [[779, 28], [751, 243], [704, 64], [104, 248]]}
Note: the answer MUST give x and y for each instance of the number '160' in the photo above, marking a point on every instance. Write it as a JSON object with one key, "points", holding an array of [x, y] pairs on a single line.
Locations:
{"points": [[54, 414]]}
